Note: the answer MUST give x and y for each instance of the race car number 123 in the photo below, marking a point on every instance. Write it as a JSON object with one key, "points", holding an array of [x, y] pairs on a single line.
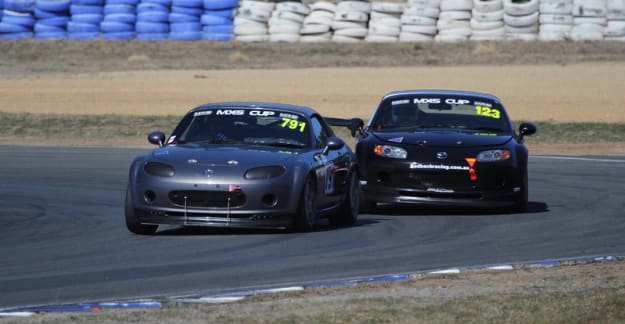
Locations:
{"points": [[487, 112]]}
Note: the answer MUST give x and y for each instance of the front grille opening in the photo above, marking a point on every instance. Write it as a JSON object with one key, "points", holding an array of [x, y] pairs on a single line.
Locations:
{"points": [[205, 198]]}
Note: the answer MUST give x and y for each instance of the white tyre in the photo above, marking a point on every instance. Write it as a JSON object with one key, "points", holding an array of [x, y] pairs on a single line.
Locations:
{"points": [[450, 38], [559, 7], [521, 37], [357, 6], [486, 25], [615, 39], [284, 29], [601, 21], [426, 30], [284, 38], [555, 29], [520, 21], [460, 31], [551, 37], [417, 20], [384, 31], [389, 22], [387, 7], [257, 5], [487, 5], [316, 38], [351, 16], [583, 36], [292, 6], [316, 19], [425, 12], [380, 39], [424, 3], [455, 15], [314, 29], [345, 39], [288, 15], [587, 28], [453, 5], [352, 32], [449, 24], [240, 21], [253, 14], [532, 29], [615, 29], [590, 8], [517, 8], [555, 19], [487, 16], [501, 31], [251, 38], [323, 6], [337, 25], [474, 38], [250, 30], [414, 37]]}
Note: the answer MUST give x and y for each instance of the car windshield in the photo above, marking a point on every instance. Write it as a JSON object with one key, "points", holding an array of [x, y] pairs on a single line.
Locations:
{"points": [[414, 113], [243, 126]]}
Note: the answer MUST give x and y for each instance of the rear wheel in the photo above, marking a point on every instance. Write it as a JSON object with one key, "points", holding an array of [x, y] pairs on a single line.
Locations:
{"points": [[132, 222], [347, 214], [306, 215]]}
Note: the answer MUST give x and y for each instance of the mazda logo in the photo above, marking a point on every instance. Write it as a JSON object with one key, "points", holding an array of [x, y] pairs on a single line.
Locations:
{"points": [[441, 155], [209, 173]]}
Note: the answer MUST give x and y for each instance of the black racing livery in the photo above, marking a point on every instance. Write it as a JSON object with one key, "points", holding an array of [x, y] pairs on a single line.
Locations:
{"points": [[244, 165], [443, 147]]}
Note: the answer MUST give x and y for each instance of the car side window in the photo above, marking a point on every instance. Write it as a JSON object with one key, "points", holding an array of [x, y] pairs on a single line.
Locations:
{"points": [[320, 132]]}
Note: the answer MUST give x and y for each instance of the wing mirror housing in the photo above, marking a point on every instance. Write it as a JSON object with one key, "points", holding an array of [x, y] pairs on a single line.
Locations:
{"points": [[157, 138], [333, 144], [526, 129]]}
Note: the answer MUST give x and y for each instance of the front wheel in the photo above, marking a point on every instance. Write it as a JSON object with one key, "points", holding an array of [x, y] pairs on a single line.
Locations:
{"points": [[132, 222], [347, 214], [520, 203], [305, 216]]}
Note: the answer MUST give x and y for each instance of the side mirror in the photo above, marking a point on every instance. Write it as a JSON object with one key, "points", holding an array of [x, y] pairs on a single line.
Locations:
{"points": [[333, 144], [157, 138], [526, 129], [356, 126]]}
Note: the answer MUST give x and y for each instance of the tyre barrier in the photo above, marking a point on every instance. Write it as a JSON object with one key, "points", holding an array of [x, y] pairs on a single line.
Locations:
{"points": [[318, 21]]}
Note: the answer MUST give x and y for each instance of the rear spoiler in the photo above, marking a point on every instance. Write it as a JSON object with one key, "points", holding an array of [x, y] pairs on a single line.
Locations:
{"points": [[355, 125]]}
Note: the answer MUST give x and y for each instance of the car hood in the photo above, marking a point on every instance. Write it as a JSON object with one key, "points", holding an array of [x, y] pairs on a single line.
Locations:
{"points": [[223, 155], [444, 138]]}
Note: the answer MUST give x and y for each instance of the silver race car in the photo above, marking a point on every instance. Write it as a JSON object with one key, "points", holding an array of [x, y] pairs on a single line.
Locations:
{"points": [[245, 165]]}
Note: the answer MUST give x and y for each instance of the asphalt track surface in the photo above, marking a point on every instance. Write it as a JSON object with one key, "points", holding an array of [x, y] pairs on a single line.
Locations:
{"points": [[63, 238]]}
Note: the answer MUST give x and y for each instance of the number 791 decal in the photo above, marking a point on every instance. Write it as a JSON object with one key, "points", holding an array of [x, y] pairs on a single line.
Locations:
{"points": [[293, 124], [487, 112]]}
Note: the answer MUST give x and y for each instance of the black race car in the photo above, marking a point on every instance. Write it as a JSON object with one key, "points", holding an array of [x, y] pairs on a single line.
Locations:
{"points": [[244, 164], [443, 147]]}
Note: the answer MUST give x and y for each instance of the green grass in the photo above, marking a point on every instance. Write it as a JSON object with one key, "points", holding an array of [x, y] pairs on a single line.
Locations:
{"points": [[91, 128]]}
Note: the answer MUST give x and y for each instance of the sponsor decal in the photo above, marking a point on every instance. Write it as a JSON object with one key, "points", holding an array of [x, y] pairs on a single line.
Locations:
{"points": [[396, 139], [440, 190], [230, 112], [203, 113], [400, 102], [431, 166], [472, 174], [450, 101]]}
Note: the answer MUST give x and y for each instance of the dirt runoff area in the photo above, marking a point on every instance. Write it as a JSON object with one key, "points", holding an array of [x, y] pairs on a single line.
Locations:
{"points": [[536, 82]]}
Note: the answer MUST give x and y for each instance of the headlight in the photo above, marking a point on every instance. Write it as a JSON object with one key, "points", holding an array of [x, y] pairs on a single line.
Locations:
{"points": [[493, 155], [391, 152], [267, 172], [159, 169]]}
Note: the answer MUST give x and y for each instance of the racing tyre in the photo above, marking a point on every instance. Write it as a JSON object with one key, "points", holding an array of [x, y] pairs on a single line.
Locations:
{"points": [[520, 205], [133, 223], [347, 213], [305, 215]]}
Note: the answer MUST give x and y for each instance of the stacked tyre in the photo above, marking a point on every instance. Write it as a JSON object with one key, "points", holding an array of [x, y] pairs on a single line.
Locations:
{"points": [[615, 29], [350, 21], [487, 21], [18, 19], [317, 25], [454, 21], [85, 19], [556, 20], [185, 20], [217, 23], [52, 17], [418, 21], [251, 21], [286, 21], [521, 19], [589, 20], [153, 19], [119, 19], [384, 22]]}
